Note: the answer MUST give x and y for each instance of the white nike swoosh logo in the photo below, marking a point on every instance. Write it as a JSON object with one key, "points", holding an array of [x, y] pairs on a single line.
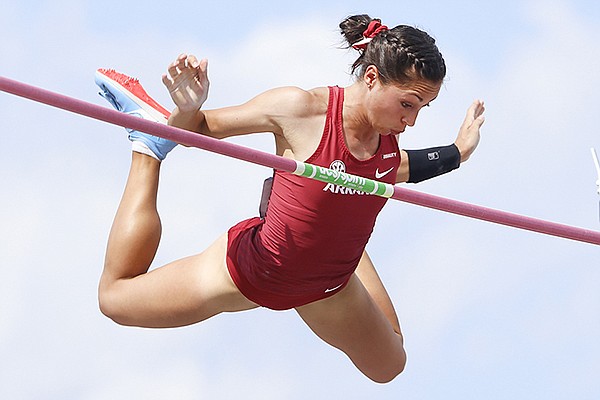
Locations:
{"points": [[379, 175], [334, 289]]}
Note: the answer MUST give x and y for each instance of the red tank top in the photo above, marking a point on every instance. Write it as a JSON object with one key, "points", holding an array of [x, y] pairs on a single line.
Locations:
{"points": [[314, 233]]}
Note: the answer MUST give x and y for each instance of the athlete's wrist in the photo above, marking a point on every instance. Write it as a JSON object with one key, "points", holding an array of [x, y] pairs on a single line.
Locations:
{"points": [[428, 163], [186, 119]]}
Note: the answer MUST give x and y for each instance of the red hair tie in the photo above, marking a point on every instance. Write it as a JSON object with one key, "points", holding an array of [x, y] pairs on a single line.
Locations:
{"points": [[374, 28]]}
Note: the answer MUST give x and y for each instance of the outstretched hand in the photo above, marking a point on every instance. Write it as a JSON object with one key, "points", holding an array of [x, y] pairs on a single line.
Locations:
{"points": [[468, 135], [187, 82]]}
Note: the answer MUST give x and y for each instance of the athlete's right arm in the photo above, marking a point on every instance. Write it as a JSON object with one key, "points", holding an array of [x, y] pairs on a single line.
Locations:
{"points": [[188, 85]]}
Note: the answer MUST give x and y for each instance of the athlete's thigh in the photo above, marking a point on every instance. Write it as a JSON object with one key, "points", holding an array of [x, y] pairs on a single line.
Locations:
{"points": [[370, 279], [353, 323], [180, 293]]}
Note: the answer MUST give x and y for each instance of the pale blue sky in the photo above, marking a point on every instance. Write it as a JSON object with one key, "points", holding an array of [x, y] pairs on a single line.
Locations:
{"points": [[488, 312]]}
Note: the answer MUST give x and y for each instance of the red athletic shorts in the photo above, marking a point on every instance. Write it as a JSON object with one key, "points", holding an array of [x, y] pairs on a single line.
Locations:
{"points": [[249, 265]]}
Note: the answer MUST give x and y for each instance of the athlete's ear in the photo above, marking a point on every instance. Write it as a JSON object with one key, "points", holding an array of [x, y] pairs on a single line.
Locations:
{"points": [[371, 76]]}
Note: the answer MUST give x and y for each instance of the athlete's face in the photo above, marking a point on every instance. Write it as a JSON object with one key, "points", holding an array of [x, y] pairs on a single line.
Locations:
{"points": [[395, 107]]}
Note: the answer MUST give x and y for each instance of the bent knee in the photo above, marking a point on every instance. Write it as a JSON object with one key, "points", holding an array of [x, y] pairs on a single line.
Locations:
{"points": [[386, 376], [111, 304], [385, 373], [106, 303]]}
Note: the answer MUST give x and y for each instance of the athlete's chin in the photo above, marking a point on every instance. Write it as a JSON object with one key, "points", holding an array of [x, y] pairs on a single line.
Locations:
{"points": [[393, 132]]}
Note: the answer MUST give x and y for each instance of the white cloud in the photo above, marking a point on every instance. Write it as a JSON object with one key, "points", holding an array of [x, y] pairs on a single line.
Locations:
{"points": [[286, 53], [179, 379]]}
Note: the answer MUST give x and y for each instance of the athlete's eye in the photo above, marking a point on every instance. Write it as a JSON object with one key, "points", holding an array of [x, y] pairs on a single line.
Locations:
{"points": [[406, 105]]}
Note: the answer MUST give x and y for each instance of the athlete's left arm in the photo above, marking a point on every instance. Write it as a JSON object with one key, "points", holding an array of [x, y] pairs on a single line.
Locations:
{"points": [[419, 165]]}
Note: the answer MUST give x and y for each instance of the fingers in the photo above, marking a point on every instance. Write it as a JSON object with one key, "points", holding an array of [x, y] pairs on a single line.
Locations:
{"points": [[191, 61], [469, 134], [476, 109], [167, 82], [178, 66], [479, 120], [479, 110], [187, 81], [188, 66], [203, 67], [475, 113], [185, 68]]}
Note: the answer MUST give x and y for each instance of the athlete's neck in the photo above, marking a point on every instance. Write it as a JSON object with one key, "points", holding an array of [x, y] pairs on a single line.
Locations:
{"points": [[362, 140]]}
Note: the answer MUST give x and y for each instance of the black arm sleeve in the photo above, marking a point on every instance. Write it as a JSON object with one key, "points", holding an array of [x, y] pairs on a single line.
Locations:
{"points": [[428, 163]]}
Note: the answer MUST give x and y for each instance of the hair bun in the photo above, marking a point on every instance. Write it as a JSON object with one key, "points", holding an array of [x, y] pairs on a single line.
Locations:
{"points": [[374, 28]]}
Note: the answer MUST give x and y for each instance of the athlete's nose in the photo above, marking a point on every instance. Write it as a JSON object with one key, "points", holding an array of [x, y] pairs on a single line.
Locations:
{"points": [[410, 120]]}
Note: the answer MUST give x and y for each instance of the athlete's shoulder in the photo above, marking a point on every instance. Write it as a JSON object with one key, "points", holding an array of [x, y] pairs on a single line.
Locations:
{"points": [[299, 102]]}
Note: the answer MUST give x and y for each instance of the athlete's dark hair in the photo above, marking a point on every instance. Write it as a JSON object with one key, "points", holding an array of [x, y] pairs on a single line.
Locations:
{"points": [[401, 54]]}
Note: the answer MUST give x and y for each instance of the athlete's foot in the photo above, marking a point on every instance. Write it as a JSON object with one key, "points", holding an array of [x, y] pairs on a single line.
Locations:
{"points": [[127, 95]]}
